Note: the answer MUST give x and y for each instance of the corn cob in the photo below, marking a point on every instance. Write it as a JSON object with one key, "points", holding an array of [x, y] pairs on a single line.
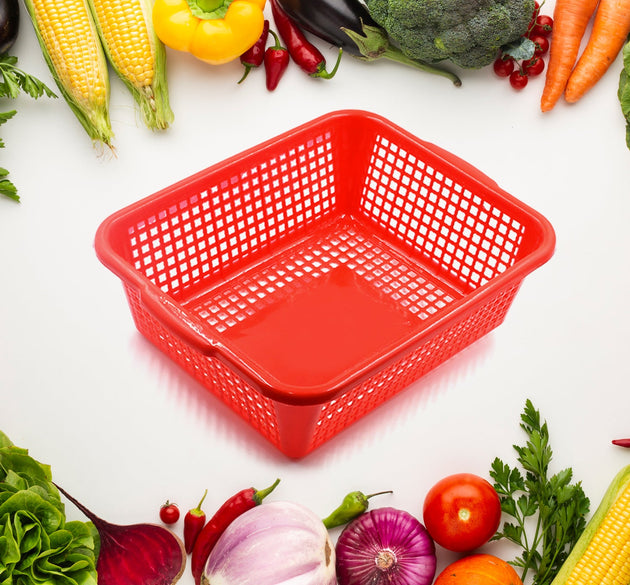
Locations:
{"points": [[136, 54], [67, 35], [601, 556]]}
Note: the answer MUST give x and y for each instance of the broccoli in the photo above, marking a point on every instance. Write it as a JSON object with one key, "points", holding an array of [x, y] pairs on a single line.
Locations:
{"points": [[469, 33]]}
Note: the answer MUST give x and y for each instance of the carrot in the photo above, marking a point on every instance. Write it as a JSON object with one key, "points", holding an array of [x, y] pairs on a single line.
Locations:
{"points": [[570, 19], [610, 30]]}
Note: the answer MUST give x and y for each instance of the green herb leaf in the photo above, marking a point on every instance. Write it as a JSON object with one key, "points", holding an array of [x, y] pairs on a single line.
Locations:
{"points": [[13, 81], [547, 512], [8, 189]]}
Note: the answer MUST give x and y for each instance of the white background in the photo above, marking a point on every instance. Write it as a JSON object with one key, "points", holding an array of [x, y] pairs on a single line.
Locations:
{"points": [[124, 429]]}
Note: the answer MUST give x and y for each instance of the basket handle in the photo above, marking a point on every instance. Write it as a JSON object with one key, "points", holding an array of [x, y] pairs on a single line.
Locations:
{"points": [[177, 321], [190, 332]]}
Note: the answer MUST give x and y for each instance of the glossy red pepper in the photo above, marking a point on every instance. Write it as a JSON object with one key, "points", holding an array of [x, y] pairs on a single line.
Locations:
{"points": [[276, 63], [306, 55], [622, 442], [223, 517], [254, 56], [194, 522]]}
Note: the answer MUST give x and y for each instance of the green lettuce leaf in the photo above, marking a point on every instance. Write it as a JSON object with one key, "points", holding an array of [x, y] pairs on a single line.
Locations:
{"points": [[37, 545], [5, 441]]}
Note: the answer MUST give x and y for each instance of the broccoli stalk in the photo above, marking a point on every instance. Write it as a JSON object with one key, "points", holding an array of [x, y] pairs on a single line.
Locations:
{"points": [[374, 44]]}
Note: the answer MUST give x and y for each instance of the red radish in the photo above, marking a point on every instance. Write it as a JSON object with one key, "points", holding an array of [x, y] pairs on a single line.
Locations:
{"points": [[135, 554]]}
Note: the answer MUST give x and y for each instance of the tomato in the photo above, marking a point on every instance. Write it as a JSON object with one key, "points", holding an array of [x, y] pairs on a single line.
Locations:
{"points": [[169, 513], [518, 79], [503, 66], [541, 43], [534, 66], [480, 569], [543, 25], [462, 512]]}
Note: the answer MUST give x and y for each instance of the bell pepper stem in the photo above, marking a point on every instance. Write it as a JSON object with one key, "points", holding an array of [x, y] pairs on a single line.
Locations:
{"points": [[209, 5]]}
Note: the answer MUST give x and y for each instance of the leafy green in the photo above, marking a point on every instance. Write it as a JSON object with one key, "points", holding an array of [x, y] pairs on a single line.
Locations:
{"points": [[624, 89], [37, 545], [13, 81], [520, 49], [547, 511]]}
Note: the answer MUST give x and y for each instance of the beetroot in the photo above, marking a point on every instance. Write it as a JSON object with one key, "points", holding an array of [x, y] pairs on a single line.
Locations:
{"points": [[135, 554]]}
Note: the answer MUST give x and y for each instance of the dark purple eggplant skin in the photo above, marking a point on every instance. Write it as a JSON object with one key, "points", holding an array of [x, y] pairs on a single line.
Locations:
{"points": [[326, 18], [9, 24]]}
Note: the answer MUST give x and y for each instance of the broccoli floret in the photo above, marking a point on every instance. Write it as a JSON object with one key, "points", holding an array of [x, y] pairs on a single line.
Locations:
{"points": [[468, 33]]}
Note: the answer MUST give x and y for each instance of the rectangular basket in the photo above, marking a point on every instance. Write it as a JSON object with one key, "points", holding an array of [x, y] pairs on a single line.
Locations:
{"points": [[309, 279]]}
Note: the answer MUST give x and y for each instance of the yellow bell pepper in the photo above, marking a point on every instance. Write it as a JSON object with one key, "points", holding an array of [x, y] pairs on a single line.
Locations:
{"points": [[215, 31]]}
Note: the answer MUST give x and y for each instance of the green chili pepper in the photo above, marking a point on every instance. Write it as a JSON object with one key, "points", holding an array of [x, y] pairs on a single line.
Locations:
{"points": [[353, 505]]}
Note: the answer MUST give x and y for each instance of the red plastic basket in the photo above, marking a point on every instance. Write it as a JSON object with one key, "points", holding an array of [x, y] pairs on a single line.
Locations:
{"points": [[309, 279]]}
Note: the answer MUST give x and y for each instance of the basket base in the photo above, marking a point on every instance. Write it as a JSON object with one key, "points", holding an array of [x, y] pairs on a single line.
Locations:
{"points": [[323, 330], [324, 308]]}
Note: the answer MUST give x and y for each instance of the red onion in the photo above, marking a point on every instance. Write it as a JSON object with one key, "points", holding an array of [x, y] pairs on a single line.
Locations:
{"points": [[273, 544], [385, 546]]}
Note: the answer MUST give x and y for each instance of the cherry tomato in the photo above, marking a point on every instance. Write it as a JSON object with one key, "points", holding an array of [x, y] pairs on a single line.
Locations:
{"points": [[543, 25], [534, 66], [169, 513], [503, 66], [518, 79], [542, 44], [462, 512]]}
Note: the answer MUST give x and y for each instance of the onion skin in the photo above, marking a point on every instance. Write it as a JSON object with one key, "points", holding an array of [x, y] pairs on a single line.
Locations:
{"points": [[385, 546], [272, 544]]}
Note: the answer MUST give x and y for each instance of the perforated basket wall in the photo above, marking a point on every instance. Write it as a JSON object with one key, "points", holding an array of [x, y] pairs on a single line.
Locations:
{"points": [[307, 280]]}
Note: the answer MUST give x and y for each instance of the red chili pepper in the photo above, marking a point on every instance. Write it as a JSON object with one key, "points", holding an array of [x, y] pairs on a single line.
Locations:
{"points": [[254, 56], [194, 522], [223, 517], [622, 442], [276, 63], [304, 53]]}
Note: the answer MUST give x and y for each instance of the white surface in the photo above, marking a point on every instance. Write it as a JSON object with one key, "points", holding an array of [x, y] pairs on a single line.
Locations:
{"points": [[124, 429]]}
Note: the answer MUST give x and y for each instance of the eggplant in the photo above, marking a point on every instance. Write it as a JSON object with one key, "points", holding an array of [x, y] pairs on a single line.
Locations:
{"points": [[9, 24], [347, 24], [327, 20]]}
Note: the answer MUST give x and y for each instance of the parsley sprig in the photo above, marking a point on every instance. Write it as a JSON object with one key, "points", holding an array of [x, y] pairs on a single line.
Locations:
{"points": [[14, 81], [547, 512]]}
